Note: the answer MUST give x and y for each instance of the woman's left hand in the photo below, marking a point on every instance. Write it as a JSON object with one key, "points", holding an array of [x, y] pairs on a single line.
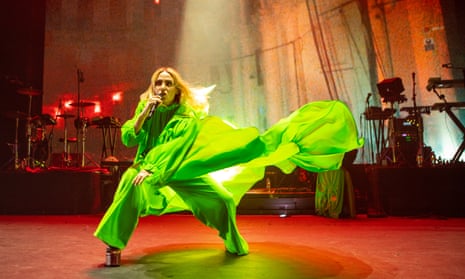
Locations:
{"points": [[140, 177]]}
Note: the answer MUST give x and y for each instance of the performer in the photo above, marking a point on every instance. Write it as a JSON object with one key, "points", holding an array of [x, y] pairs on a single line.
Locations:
{"points": [[181, 150]]}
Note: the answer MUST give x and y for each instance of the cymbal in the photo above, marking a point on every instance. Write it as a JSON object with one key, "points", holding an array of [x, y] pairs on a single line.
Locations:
{"points": [[15, 114], [29, 92], [65, 115], [82, 104]]}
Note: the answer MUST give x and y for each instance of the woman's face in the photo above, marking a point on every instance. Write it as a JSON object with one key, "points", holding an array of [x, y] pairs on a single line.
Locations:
{"points": [[164, 87]]}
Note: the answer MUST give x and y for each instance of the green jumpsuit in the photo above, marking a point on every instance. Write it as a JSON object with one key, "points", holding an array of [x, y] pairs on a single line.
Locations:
{"points": [[186, 152]]}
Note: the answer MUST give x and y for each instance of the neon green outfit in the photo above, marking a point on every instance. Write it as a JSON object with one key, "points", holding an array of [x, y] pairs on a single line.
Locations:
{"points": [[183, 149]]}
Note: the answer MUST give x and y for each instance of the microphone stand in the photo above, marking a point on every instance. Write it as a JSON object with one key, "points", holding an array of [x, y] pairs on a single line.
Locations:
{"points": [[371, 130], [419, 123], [80, 121]]}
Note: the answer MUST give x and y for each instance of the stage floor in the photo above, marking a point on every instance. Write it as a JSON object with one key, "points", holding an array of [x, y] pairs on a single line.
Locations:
{"points": [[178, 246]]}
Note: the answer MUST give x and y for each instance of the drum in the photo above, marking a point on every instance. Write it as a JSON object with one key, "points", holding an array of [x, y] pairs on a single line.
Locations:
{"points": [[38, 134], [82, 122], [40, 153], [43, 120], [39, 139]]}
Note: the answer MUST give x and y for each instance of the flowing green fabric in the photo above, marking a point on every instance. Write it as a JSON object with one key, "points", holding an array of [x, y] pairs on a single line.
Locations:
{"points": [[189, 156]]}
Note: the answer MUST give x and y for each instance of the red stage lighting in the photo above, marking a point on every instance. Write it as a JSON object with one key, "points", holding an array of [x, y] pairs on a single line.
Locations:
{"points": [[117, 96], [97, 108]]}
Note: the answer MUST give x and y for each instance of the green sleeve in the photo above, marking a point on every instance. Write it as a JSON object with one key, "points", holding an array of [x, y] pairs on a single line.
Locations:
{"points": [[173, 144], [128, 135]]}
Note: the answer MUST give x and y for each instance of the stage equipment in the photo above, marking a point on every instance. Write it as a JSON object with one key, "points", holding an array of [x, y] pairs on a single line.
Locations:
{"points": [[437, 83], [408, 140], [419, 109], [81, 123], [443, 106], [391, 92], [30, 93], [377, 117], [66, 140], [17, 115], [82, 104], [417, 121], [43, 120], [377, 113], [447, 107], [405, 132], [51, 191], [109, 126], [391, 89], [41, 138]]}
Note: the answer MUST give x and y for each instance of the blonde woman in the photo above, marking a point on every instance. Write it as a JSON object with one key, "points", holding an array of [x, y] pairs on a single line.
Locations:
{"points": [[180, 147]]}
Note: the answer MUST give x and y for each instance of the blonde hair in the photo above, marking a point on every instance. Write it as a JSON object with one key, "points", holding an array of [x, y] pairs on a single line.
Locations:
{"points": [[197, 99]]}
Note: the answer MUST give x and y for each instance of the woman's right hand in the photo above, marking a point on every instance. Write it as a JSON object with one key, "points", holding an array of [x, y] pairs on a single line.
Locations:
{"points": [[140, 177], [154, 100]]}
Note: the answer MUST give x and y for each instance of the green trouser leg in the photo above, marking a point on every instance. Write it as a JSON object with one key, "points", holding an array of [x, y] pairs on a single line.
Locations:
{"points": [[121, 218], [210, 202], [214, 206]]}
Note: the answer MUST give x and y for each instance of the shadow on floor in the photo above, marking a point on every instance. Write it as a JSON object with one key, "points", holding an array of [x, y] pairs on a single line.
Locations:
{"points": [[266, 260]]}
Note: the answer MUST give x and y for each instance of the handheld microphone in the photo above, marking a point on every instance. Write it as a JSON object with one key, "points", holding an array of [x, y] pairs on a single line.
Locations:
{"points": [[152, 110], [154, 106], [448, 65]]}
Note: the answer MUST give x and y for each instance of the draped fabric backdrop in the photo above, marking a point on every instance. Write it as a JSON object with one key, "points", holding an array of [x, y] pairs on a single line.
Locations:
{"points": [[267, 58]]}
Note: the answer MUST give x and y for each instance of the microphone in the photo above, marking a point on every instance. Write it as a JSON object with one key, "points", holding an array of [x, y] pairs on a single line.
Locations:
{"points": [[368, 98], [154, 106], [80, 75], [448, 65], [152, 110]]}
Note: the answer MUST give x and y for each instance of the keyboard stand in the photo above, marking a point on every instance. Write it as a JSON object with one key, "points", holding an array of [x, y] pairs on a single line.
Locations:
{"points": [[459, 124]]}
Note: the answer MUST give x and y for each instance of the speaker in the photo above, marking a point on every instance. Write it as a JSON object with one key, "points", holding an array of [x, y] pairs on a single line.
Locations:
{"points": [[421, 191], [391, 89], [50, 192]]}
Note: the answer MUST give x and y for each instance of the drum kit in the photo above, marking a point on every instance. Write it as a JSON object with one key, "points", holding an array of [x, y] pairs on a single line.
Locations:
{"points": [[39, 131], [37, 147], [39, 136]]}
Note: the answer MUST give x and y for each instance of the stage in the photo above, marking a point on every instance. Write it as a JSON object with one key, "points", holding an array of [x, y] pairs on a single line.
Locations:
{"points": [[178, 246], [410, 223], [379, 191]]}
